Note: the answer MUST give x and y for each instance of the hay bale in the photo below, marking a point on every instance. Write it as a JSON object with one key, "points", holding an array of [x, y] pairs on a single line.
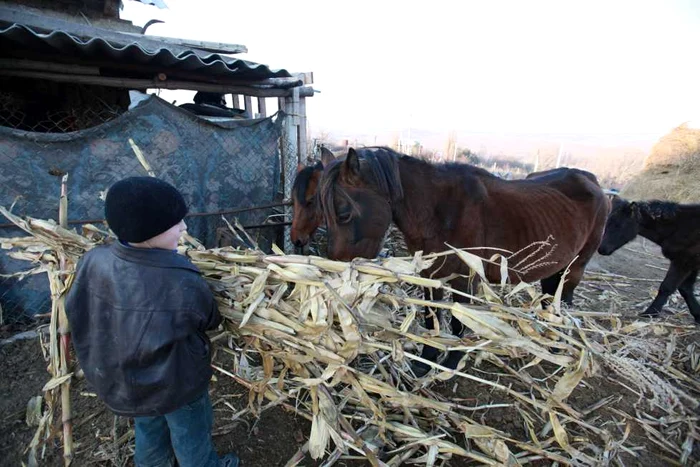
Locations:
{"points": [[671, 170]]}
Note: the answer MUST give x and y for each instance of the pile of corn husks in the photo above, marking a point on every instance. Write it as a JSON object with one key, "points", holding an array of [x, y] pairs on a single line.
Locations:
{"points": [[336, 340]]}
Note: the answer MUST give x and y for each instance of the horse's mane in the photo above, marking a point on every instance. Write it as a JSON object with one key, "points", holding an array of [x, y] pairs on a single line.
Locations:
{"points": [[301, 182], [379, 166], [444, 168]]}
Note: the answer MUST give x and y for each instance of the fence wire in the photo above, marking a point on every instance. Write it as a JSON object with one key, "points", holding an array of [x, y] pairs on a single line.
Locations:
{"points": [[217, 167]]}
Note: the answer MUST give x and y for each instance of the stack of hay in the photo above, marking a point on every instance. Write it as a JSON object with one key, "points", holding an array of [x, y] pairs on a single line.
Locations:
{"points": [[672, 170], [335, 341]]}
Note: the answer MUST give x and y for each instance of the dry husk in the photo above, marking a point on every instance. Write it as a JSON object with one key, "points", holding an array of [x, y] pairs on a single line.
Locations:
{"points": [[334, 341]]}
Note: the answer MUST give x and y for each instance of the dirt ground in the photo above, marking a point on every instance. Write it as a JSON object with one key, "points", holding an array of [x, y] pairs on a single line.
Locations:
{"points": [[274, 437]]}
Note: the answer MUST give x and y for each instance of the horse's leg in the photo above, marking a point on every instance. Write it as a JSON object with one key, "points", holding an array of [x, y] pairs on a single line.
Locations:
{"points": [[578, 268], [686, 290], [428, 353], [674, 278], [550, 284], [464, 285]]}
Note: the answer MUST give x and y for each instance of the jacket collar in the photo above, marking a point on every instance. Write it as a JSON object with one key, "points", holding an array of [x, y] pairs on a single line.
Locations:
{"points": [[155, 257]]}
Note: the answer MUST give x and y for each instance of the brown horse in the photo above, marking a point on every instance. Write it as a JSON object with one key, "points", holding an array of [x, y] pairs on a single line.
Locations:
{"points": [[307, 215], [464, 206]]}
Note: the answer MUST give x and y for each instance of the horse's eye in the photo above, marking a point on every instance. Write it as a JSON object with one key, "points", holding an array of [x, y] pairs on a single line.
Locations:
{"points": [[345, 216]]}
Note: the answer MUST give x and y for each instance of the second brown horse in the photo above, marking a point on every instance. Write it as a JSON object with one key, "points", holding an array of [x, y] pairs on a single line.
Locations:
{"points": [[307, 215], [466, 207]]}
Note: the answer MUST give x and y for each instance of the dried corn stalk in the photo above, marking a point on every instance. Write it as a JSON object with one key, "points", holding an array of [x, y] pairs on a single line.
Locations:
{"points": [[337, 340]]}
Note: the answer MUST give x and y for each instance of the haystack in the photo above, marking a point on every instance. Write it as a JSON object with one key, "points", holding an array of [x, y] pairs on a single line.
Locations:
{"points": [[672, 169]]}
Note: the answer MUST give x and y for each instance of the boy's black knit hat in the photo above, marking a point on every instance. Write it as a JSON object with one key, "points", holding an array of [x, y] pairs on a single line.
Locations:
{"points": [[139, 208]]}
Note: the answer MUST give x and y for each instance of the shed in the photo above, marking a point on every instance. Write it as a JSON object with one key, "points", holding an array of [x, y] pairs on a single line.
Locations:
{"points": [[71, 78]]}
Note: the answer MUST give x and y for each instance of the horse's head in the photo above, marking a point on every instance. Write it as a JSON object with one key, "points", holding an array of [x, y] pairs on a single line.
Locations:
{"points": [[307, 214], [356, 196], [622, 226]]}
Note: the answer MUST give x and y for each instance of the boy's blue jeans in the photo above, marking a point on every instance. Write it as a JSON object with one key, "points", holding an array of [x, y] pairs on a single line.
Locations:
{"points": [[184, 434]]}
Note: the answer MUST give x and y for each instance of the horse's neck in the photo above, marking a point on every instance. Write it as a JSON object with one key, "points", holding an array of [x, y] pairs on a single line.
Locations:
{"points": [[404, 212]]}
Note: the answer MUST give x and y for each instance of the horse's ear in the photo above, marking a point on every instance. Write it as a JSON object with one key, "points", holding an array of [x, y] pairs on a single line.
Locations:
{"points": [[326, 156], [351, 166]]}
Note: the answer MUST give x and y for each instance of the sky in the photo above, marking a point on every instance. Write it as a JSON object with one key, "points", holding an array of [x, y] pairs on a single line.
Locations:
{"points": [[615, 69]]}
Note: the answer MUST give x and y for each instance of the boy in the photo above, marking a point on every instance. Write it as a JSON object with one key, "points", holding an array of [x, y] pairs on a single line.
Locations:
{"points": [[138, 313]]}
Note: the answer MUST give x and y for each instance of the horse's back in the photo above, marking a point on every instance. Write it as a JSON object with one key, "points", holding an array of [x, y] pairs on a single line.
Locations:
{"points": [[566, 204], [559, 174], [576, 184]]}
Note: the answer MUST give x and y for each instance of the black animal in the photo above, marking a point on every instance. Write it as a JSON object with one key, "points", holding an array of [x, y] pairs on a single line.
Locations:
{"points": [[675, 228]]}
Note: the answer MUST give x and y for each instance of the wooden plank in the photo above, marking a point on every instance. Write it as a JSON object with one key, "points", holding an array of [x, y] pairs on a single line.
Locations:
{"points": [[262, 107], [94, 68], [213, 47], [19, 64], [302, 136], [248, 106], [290, 157], [130, 83], [307, 77], [45, 24]]}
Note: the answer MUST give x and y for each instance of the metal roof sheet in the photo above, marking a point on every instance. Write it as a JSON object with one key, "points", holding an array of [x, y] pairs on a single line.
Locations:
{"points": [[21, 41]]}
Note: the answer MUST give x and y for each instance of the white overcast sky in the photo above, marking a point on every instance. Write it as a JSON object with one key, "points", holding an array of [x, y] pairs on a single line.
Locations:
{"points": [[523, 67]]}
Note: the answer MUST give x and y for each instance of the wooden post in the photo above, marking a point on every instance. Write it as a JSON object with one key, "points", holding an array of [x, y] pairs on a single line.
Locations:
{"points": [[236, 101], [248, 105], [64, 333], [303, 137], [290, 154], [262, 108]]}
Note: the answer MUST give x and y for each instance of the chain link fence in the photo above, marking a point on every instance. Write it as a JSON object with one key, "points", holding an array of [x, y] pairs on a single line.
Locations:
{"points": [[228, 170]]}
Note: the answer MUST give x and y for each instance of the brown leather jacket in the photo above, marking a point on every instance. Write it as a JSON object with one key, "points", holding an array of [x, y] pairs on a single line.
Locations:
{"points": [[138, 319]]}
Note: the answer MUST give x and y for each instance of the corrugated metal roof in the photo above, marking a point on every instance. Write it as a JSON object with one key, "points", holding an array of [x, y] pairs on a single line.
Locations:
{"points": [[159, 3], [21, 41]]}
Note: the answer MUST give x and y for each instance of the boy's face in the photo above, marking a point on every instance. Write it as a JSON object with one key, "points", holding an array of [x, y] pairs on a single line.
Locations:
{"points": [[168, 240]]}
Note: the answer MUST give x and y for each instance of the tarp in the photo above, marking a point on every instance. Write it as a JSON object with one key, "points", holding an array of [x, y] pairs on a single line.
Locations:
{"points": [[217, 166]]}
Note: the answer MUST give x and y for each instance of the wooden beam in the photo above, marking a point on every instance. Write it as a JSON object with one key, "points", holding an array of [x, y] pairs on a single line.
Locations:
{"points": [[20, 64], [48, 63], [303, 140], [236, 101], [106, 68], [262, 107], [130, 83], [213, 47], [307, 77], [248, 106], [45, 24]]}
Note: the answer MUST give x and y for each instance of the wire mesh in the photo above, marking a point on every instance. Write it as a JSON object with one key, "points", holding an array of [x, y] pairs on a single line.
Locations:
{"points": [[215, 169]]}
